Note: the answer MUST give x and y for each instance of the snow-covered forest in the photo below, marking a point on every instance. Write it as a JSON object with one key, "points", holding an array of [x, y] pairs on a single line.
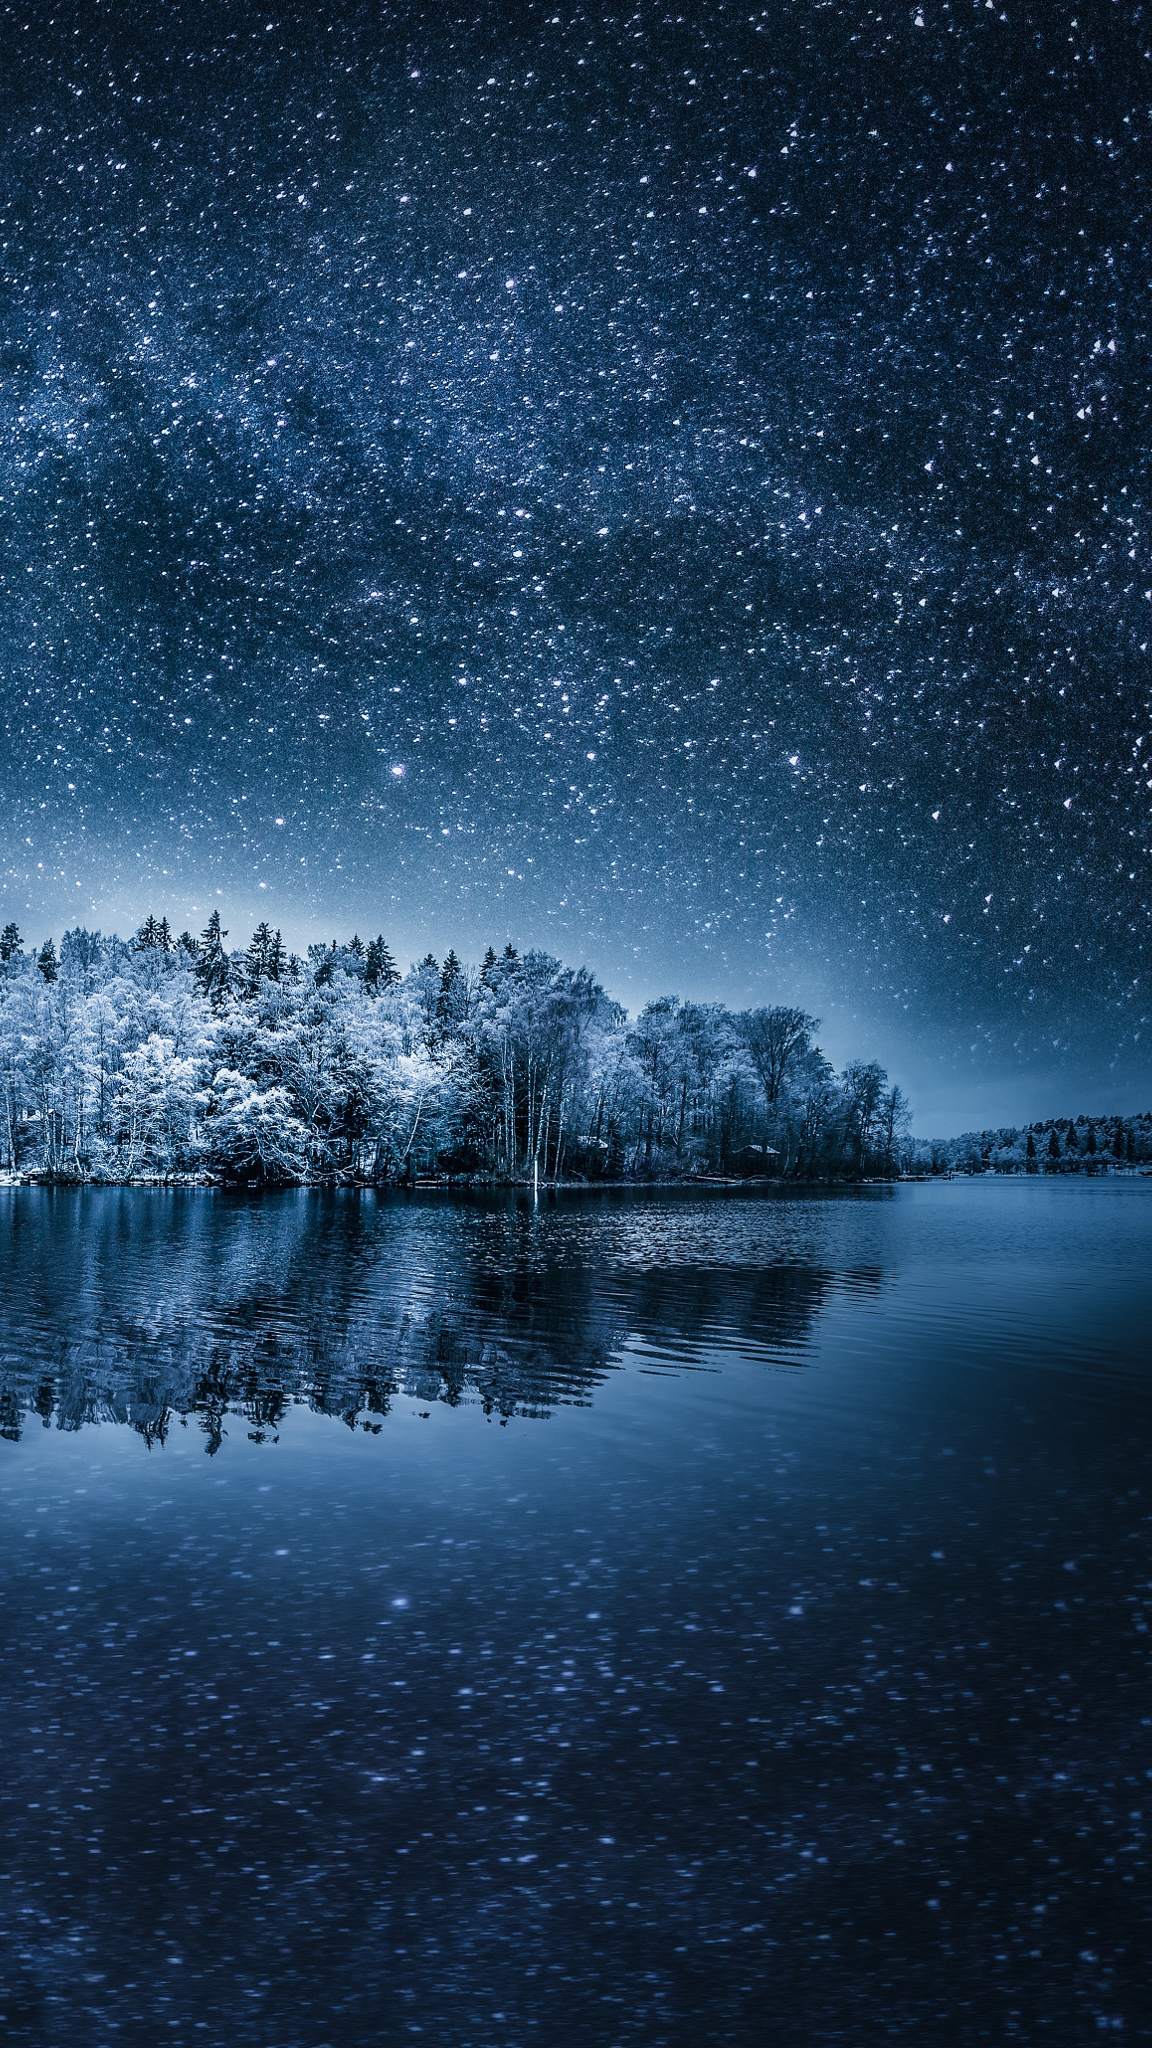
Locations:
{"points": [[170, 1057], [1082, 1144]]}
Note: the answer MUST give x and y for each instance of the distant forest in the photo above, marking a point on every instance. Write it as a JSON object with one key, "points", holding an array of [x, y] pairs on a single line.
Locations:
{"points": [[1083, 1144], [166, 1057]]}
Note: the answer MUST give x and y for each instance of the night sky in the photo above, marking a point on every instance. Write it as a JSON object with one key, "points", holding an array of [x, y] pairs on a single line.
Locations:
{"points": [[666, 487]]}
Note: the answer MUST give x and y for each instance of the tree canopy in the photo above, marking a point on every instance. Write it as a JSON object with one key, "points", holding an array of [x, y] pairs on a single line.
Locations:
{"points": [[158, 1057]]}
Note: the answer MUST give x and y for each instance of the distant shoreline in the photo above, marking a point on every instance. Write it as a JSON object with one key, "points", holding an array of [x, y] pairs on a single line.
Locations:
{"points": [[457, 1184]]}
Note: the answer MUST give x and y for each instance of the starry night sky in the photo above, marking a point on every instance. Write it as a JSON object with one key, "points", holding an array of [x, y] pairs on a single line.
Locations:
{"points": [[667, 487]]}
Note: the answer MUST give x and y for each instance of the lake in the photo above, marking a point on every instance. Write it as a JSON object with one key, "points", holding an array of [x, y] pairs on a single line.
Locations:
{"points": [[645, 1618]]}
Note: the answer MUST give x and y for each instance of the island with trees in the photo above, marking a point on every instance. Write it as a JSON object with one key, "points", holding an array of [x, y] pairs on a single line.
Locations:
{"points": [[172, 1058]]}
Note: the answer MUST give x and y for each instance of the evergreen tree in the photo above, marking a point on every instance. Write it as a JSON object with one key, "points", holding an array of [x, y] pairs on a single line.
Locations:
{"points": [[259, 952], [211, 959], [1070, 1143], [380, 969], [355, 946], [164, 936], [148, 936], [1118, 1144], [487, 964], [320, 959], [1053, 1143], [46, 960], [187, 944], [453, 993], [9, 942]]}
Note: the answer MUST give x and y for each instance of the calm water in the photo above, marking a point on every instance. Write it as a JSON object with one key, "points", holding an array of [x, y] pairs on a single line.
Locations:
{"points": [[653, 1619]]}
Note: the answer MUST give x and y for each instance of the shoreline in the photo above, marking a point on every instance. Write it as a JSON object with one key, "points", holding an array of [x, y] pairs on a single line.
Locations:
{"points": [[465, 1184]]}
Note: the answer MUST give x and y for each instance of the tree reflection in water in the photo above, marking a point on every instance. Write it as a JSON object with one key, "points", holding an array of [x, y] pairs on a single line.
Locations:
{"points": [[140, 1307]]}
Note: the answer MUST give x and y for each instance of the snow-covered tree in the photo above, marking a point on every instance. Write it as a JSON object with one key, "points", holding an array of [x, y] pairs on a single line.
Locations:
{"points": [[253, 1131]]}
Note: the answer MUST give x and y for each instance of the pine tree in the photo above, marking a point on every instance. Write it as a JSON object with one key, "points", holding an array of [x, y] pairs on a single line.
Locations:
{"points": [[1053, 1143], [451, 987], [148, 936], [1118, 1146], [380, 969], [355, 946], [488, 963], [212, 960], [256, 958], [46, 960], [164, 936], [321, 958], [9, 942]]}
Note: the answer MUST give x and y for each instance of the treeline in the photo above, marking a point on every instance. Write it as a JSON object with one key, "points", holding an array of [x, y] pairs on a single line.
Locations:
{"points": [[167, 1056], [1082, 1144]]}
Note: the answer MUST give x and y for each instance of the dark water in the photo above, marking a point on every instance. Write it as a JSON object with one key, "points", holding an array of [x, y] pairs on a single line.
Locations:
{"points": [[650, 1619]]}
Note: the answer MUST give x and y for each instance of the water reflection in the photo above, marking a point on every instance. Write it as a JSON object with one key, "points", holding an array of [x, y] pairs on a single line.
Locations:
{"points": [[139, 1307], [758, 1689]]}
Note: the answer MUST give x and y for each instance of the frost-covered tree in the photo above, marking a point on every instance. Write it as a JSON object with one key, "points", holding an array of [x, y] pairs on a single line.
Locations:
{"points": [[156, 1104], [254, 1131], [777, 1040]]}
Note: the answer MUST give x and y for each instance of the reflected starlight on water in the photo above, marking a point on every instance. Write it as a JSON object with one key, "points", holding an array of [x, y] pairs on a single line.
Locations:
{"points": [[611, 1621]]}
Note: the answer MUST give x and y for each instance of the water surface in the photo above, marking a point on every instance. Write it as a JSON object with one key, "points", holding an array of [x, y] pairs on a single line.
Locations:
{"points": [[645, 1619]]}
